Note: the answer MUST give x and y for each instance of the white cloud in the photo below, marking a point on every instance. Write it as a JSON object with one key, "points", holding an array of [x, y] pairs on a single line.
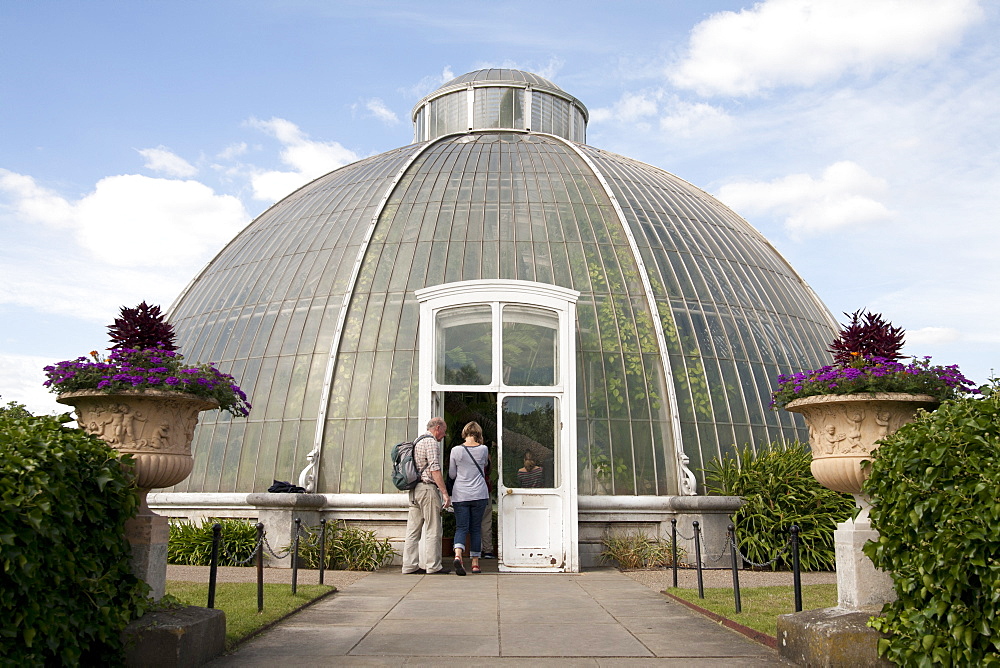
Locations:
{"points": [[162, 159], [695, 120], [133, 220], [380, 111], [844, 196], [309, 159], [630, 108], [932, 336], [233, 151], [428, 84], [21, 378], [802, 42], [33, 202]]}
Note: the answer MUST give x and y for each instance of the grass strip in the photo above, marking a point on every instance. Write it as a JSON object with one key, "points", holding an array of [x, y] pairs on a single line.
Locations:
{"points": [[761, 605], [239, 601]]}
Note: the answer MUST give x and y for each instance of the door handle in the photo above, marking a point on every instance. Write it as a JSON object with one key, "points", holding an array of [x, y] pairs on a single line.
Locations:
{"points": [[510, 491]]}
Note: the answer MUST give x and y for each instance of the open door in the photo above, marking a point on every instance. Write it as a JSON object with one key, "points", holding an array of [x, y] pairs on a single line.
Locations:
{"points": [[532, 491], [513, 341]]}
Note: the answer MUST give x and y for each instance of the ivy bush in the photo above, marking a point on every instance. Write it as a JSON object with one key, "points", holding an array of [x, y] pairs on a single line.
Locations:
{"points": [[347, 548], [934, 487], [190, 543], [66, 589], [779, 491]]}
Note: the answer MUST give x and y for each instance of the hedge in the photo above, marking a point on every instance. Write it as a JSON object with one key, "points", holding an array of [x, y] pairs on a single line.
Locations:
{"points": [[66, 590], [934, 486]]}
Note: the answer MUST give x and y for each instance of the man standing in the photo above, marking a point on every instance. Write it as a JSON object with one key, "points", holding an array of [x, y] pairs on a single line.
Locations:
{"points": [[423, 523]]}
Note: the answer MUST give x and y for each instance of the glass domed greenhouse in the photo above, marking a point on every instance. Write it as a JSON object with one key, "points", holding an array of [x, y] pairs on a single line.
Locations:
{"points": [[601, 314]]}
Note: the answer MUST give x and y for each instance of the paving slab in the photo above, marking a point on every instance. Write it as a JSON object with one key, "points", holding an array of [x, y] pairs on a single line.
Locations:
{"points": [[594, 618]]}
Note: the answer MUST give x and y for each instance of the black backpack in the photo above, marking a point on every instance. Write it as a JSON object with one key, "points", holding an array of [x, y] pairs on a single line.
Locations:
{"points": [[405, 475]]}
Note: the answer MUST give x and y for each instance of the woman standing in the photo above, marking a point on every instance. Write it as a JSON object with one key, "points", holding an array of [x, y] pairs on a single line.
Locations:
{"points": [[467, 465]]}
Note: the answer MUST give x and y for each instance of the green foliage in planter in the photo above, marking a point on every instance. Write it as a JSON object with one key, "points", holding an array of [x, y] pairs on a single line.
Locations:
{"points": [[66, 589], [634, 549], [779, 491], [934, 487], [347, 548], [191, 544]]}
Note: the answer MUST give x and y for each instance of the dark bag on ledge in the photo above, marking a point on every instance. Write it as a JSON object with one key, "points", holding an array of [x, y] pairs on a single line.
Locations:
{"points": [[282, 487]]}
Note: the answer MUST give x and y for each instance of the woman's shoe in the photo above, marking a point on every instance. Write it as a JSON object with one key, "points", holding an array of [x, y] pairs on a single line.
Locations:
{"points": [[459, 567], [475, 569]]}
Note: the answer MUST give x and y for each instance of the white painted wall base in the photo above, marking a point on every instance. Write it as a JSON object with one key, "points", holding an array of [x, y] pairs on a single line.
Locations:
{"points": [[385, 514]]}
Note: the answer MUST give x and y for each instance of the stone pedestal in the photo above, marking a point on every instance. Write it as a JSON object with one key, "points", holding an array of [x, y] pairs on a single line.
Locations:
{"points": [[841, 636], [278, 512], [829, 638], [860, 586], [148, 534], [179, 638]]}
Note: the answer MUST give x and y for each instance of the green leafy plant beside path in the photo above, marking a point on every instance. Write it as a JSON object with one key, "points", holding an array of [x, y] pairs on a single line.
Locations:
{"points": [[779, 491], [934, 487], [191, 543]]}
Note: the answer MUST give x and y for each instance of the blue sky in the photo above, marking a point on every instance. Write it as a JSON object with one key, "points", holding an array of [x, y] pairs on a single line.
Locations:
{"points": [[861, 137]]}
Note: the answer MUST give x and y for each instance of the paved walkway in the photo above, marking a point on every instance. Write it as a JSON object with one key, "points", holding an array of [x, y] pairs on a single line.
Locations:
{"points": [[595, 618]]}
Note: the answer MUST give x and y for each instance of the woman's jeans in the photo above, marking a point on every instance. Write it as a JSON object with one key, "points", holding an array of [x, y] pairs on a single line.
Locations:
{"points": [[468, 521]]}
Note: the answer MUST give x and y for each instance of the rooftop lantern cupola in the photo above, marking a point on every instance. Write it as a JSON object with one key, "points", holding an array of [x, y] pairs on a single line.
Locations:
{"points": [[499, 99]]}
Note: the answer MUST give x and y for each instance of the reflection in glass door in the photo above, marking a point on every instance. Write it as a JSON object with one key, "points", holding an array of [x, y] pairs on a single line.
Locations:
{"points": [[531, 499]]}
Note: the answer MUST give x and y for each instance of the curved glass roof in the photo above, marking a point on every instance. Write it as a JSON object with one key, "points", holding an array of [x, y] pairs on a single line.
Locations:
{"points": [[686, 313], [500, 74]]}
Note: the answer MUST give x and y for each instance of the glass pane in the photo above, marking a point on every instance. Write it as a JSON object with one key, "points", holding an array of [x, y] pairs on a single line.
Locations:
{"points": [[528, 442], [464, 346], [530, 346]]}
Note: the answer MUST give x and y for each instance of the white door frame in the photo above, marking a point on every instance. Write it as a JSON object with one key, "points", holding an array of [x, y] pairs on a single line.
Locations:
{"points": [[498, 293]]}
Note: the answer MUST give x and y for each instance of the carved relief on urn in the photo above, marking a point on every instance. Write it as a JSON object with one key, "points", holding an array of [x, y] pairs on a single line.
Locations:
{"points": [[155, 427], [844, 429]]}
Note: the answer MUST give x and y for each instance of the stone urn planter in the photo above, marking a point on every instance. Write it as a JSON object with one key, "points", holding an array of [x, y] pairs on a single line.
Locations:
{"points": [[156, 427], [844, 429]]}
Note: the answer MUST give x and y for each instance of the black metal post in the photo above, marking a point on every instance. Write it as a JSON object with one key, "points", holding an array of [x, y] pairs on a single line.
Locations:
{"points": [[673, 547], [736, 571], [322, 548], [260, 567], [697, 557], [213, 571], [796, 571], [295, 557]]}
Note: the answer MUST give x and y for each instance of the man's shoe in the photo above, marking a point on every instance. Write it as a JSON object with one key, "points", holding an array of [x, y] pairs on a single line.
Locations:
{"points": [[488, 555], [443, 571], [459, 567], [419, 571]]}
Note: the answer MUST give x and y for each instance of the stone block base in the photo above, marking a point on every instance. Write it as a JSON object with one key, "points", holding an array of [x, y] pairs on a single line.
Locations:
{"points": [[829, 637], [189, 636], [148, 534]]}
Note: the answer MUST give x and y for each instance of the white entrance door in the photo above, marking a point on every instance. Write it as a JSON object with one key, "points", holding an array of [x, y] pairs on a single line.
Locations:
{"points": [[515, 339], [532, 490]]}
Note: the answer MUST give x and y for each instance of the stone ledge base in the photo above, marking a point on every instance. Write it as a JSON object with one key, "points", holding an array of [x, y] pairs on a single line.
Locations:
{"points": [[829, 637], [189, 636]]}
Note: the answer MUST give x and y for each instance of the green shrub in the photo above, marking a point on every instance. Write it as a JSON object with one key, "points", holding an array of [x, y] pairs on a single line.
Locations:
{"points": [[191, 544], [66, 589], [631, 550], [779, 491], [347, 548], [934, 487], [14, 410]]}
